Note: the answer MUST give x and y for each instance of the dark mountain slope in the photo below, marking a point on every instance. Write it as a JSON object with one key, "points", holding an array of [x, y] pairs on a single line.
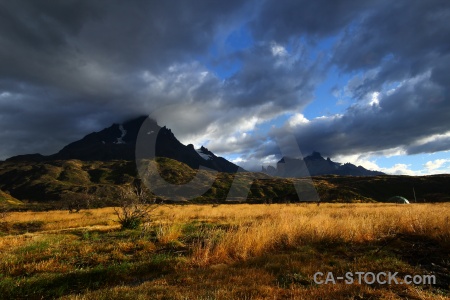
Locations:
{"points": [[54, 181], [315, 164], [118, 142]]}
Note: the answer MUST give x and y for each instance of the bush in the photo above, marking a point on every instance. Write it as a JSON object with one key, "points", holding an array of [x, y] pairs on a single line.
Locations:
{"points": [[136, 206], [77, 201], [4, 212]]}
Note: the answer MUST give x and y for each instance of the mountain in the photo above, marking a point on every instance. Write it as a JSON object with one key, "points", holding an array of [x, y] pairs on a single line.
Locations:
{"points": [[315, 165], [118, 142], [55, 184]]}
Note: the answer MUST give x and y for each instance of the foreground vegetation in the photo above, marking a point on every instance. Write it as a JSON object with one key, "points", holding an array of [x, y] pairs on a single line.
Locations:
{"points": [[225, 252]]}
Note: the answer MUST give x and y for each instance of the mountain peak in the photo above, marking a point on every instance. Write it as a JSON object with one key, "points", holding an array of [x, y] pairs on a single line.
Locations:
{"points": [[315, 156], [118, 142], [314, 165]]}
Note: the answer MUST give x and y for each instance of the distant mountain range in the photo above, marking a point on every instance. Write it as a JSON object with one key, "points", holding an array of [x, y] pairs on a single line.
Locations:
{"points": [[101, 163], [314, 165], [118, 142]]}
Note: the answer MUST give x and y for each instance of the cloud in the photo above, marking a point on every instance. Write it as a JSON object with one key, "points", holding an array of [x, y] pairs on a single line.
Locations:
{"points": [[107, 63], [416, 110], [366, 160], [431, 144], [370, 164], [437, 165], [400, 169], [297, 119], [66, 65], [315, 19], [396, 42], [400, 37], [400, 87], [70, 68], [399, 53]]}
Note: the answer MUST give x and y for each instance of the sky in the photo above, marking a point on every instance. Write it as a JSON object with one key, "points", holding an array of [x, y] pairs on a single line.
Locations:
{"points": [[365, 82]]}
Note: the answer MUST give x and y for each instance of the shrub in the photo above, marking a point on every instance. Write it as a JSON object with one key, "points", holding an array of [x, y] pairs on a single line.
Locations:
{"points": [[4, 212], [136, 206], [77, 201]]}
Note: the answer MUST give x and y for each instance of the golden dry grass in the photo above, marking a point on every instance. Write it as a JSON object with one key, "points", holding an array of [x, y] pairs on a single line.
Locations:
{"points": [[264, 228], [224, 252]]}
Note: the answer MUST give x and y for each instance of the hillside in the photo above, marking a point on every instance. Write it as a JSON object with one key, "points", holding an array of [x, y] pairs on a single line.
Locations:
{"points": [[8, 200], [53, 181], [433, 188]]}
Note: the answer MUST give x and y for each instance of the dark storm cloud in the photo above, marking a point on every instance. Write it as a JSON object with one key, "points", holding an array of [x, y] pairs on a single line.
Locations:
{"points": [[401, 39], [289, 19], [127, 34], [158, 33], [77, 64], [416, 110], [109, 62], [436, 145], [43, 25], [398, 49], [68, 68], [92, 51], [272, 75], [35, 36]]}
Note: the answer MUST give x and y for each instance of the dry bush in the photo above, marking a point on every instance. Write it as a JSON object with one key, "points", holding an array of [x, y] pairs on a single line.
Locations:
{"points": [[4, 225], [136, 206], [77, 201], [4, 213]]}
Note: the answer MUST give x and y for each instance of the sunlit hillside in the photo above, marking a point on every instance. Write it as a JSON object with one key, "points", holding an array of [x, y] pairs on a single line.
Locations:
{"points": [[52, 184]]}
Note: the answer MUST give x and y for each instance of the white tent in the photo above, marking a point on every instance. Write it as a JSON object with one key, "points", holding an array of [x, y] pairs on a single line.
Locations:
{"points": [[398, 199]]}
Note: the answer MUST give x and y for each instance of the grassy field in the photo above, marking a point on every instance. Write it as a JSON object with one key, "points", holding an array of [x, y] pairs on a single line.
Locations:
{"points": [[225, 252]]}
